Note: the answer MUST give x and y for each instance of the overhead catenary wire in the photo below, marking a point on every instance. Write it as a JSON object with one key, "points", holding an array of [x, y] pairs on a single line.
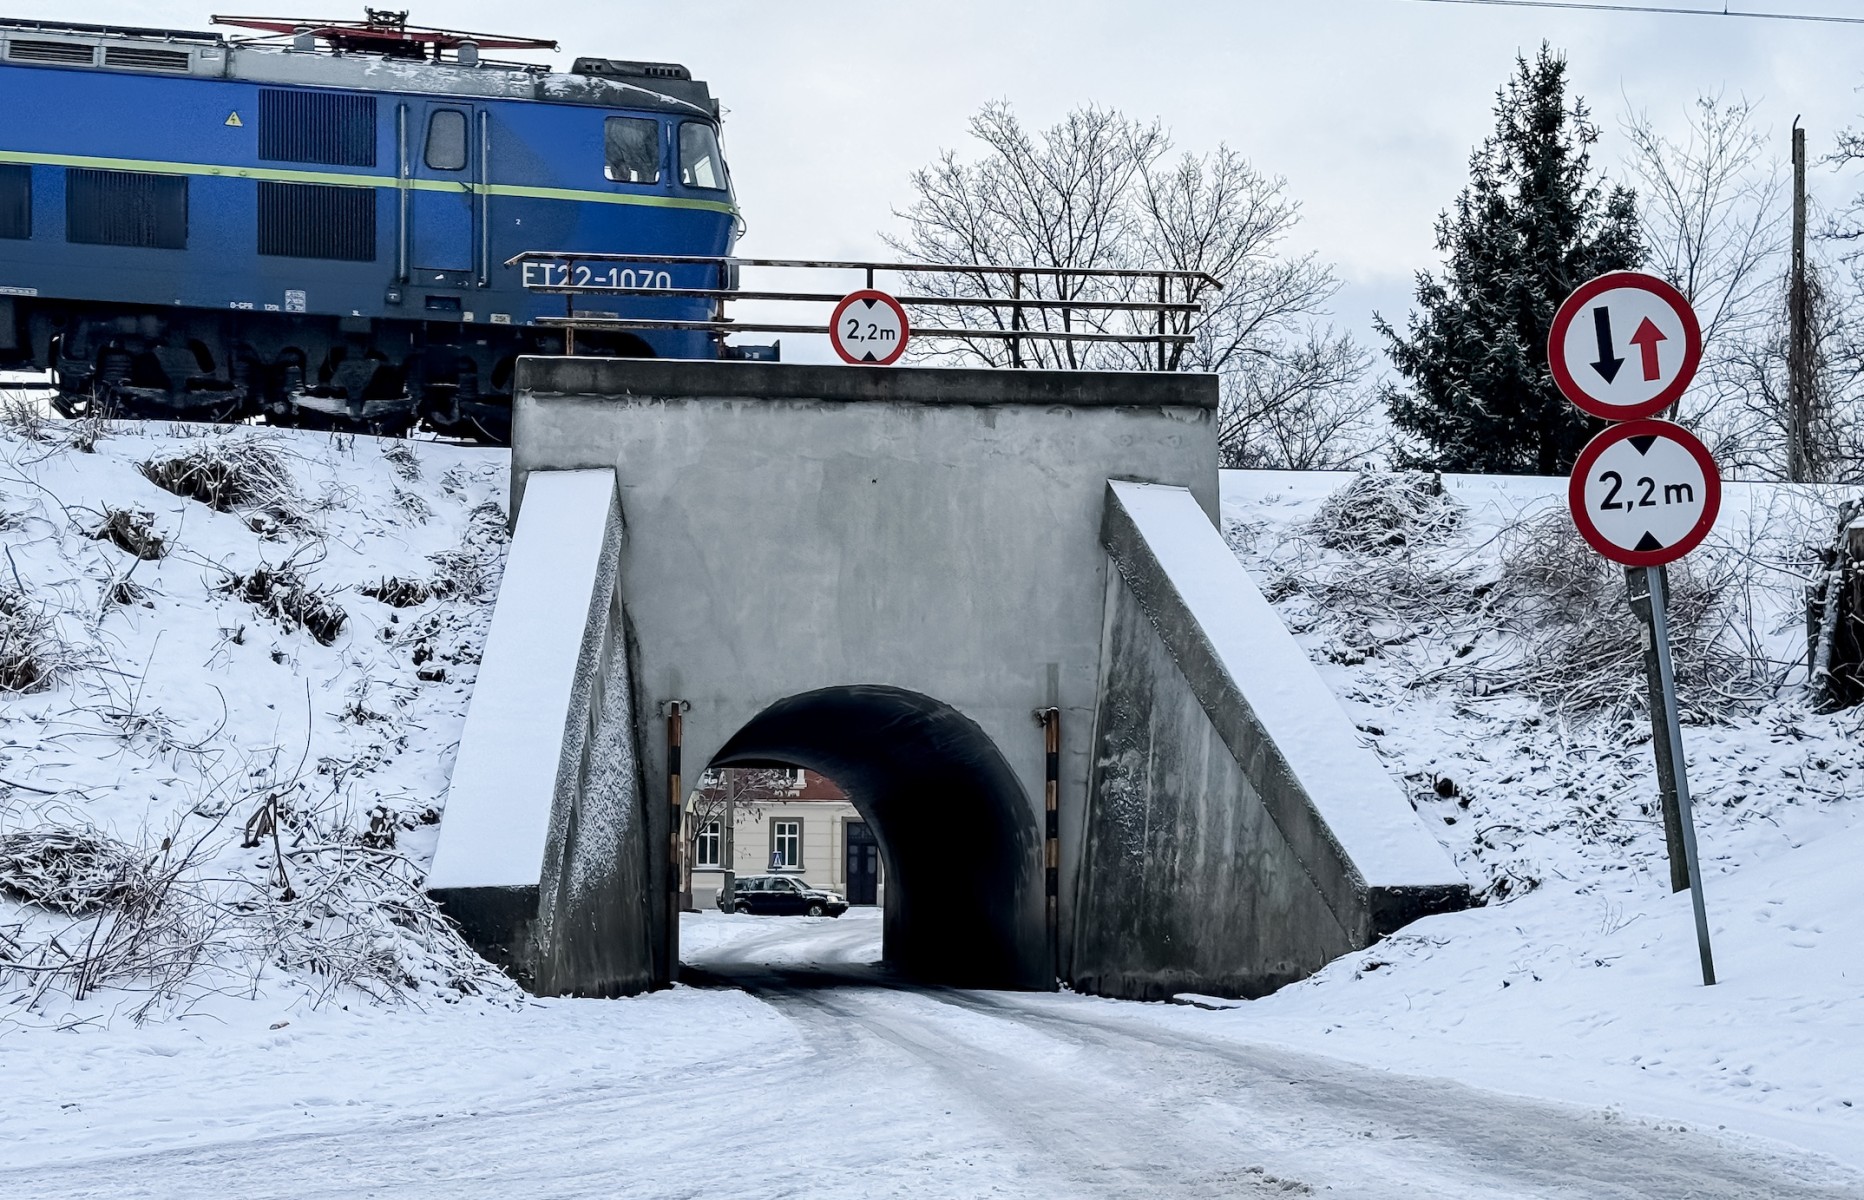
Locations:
{"points": [[1664, 10]]}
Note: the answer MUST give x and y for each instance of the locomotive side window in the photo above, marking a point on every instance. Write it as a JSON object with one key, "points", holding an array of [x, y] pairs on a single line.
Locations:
{"points": [[631, 148], [701, 165], [446, 140], [15, 201]]}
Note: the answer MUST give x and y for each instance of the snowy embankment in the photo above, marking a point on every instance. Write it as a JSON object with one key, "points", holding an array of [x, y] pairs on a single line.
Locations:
{"points": [[250, 692], [235, 666], [1490, 661]]}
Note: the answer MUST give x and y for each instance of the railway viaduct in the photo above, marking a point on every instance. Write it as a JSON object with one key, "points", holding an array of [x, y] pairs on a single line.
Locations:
{"points": [[908, 579]]}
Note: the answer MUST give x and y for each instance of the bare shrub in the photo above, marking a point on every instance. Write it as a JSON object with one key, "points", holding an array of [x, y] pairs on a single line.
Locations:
{"points": [[1380, 511], [23, 421], [1582, 651], [397, 592], [74, 872], [335, 903], [229, 475], [133, 532], [1394, 578], [282, 594], [402, 458], [126, 592], [360, 920], [140, 917], [471, 571], [416, 509], [31, 654], [86, 432], [340, 904]]}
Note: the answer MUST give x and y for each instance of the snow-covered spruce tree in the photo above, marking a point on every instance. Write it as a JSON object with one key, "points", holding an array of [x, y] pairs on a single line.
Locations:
{"points": [[1534, 223]]}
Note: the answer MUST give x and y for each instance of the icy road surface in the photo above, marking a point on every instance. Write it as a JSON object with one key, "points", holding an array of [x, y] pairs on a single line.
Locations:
{"points": [[820, 1078]]}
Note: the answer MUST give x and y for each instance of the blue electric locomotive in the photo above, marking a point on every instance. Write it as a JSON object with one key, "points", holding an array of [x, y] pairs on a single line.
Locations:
{"points": [[314, 229]]}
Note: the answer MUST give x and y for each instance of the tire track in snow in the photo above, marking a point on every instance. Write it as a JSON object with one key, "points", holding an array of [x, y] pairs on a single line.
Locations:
{"points": [[1533, 1147], [1304, 1114], [1142, 1152]]}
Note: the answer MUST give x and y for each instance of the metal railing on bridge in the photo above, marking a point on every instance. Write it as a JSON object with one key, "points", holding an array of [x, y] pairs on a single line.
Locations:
{"points": [[1051, 315]]}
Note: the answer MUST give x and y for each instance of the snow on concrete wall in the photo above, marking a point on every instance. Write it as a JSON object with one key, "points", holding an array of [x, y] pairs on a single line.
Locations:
{"points": [[540, 856], [1358, 802], [498, 809], [1239, 833]]}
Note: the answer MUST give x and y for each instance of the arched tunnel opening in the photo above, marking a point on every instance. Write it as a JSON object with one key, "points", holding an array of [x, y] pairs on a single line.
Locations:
{"points": [[957, 835]]}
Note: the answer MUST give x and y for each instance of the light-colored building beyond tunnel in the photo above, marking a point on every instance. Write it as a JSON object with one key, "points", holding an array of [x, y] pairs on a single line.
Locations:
{"points": [[909, 580]]}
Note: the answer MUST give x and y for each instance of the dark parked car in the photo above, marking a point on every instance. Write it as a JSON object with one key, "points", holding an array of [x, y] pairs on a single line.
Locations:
{"points": [[780, 894]]}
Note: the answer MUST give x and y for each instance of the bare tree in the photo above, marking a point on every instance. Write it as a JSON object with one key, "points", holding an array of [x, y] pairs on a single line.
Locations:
{"points": [[722, 796], [1100, 190], [1837, 320], [1715, 225], [1303, 409]]}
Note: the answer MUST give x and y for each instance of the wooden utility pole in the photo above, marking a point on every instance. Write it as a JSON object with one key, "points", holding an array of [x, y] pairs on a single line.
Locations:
{"points": [[1799, 384]]}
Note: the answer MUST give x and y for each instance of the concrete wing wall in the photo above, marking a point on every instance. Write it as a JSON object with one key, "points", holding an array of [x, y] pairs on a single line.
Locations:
{"points": [[539, 857], [1239, 835]]}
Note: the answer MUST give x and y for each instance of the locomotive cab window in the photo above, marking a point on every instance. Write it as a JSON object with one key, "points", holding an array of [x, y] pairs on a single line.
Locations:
{"points": [[446, 140], [701, 165], [631, 148]]}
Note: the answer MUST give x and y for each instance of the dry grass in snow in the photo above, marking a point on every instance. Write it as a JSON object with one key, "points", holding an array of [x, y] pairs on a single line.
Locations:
{"points": [[222, 748]]}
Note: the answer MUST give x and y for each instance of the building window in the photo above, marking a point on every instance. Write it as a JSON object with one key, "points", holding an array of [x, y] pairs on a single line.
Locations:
{"points": [[786, 845], [446, 140], [708, 841], [631, 149]]}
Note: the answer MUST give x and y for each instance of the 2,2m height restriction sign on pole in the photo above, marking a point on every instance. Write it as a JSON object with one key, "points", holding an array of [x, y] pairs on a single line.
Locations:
{"points": [[1624, 346], [869, 328], [1645, 493]]}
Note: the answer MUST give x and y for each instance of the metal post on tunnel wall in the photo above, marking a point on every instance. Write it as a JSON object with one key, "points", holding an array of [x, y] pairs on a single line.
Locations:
{"points": [[1050, 720], [676, 735]]}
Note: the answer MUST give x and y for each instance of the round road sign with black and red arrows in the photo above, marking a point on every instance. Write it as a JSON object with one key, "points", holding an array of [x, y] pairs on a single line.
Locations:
{"points": [[1645, 493], [869, 328], [1624, 346]]}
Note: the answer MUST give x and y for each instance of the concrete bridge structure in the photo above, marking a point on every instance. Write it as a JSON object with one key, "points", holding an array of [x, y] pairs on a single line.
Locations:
{"points": [[902, 578]]}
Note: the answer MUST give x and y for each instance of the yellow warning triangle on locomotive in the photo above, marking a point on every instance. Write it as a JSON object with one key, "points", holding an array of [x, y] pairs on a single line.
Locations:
{"points": [[234, 121]]}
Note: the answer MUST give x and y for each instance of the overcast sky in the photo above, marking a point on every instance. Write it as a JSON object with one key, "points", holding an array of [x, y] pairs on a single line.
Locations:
{"points": [[1369, 108]]}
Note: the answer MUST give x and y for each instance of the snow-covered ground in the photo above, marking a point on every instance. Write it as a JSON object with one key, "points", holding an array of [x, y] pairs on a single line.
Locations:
{"points": [[1580, 980], [213, 696], [1560, 1027], [803, 1071]]}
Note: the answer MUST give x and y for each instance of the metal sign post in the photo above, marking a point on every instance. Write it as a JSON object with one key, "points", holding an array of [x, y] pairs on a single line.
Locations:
{"points": [[1666, 674], [1623, 347]]}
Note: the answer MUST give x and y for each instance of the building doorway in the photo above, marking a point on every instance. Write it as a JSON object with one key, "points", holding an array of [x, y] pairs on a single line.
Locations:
{"points": [[863, 864]]}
